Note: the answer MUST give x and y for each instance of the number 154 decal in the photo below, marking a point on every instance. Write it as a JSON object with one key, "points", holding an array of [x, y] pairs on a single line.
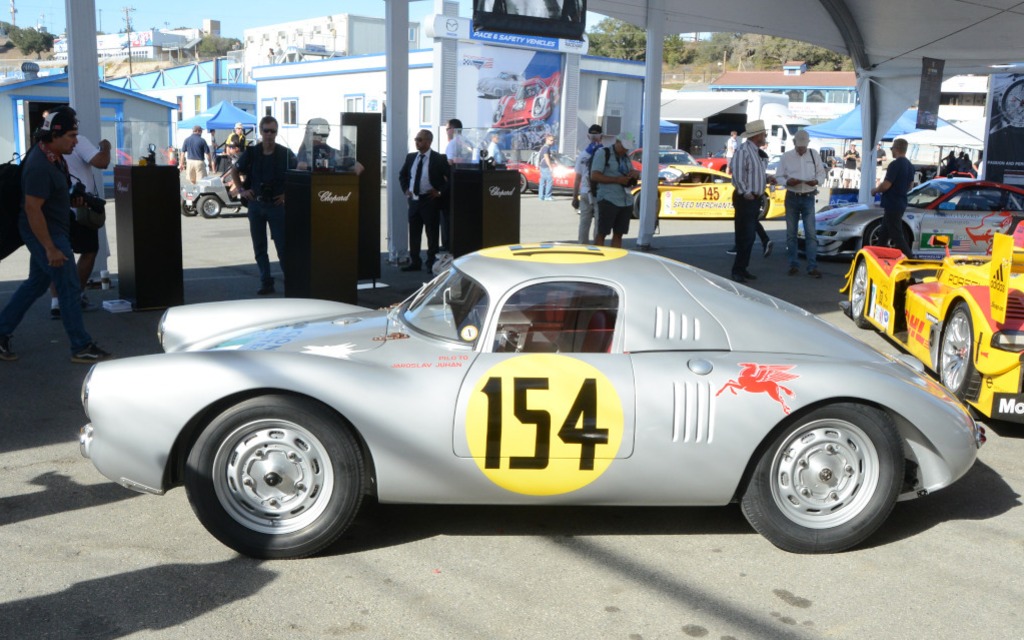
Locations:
{"points": [[544, 424]]}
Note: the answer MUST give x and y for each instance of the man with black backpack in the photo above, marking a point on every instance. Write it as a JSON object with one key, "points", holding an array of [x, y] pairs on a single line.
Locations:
{"points": [[264, 166], [44, 226]]}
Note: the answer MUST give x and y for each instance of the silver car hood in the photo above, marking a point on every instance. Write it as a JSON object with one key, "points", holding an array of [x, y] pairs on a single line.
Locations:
{"points": [[278, 324]]}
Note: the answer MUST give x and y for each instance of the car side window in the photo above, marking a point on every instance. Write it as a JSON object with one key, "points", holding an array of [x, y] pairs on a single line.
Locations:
{"points": [[1014, 202], [976, 200], [558, 317]]}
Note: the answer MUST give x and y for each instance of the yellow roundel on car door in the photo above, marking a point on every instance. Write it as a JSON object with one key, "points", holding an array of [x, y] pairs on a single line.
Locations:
{"points": [[544, 424]]}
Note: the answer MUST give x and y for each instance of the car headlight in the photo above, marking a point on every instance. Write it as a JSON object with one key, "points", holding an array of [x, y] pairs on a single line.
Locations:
{"points": [[1008, 340]]}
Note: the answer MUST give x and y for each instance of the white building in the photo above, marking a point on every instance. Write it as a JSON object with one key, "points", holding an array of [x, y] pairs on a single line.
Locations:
{"points": [[336, 35], [151, 44]]}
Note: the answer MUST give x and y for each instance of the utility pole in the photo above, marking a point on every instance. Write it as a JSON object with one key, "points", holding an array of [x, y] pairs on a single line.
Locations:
{"points": [[128, 28], [14, 21]]}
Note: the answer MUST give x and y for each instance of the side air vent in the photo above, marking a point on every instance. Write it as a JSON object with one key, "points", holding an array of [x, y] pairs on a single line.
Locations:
{"points": [[675, 326], [691, 413]]}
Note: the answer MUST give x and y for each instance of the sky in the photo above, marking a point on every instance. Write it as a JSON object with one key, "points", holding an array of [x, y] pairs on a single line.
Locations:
{"points": [[234, 17]]}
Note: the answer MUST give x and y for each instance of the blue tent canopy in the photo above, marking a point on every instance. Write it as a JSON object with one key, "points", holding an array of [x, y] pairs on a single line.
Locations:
{"points": [[848, 126], [222, 115]]}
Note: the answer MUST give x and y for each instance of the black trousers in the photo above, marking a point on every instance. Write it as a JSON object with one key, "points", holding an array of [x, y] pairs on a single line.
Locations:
{"points": [[745, 222], [424, 214]]}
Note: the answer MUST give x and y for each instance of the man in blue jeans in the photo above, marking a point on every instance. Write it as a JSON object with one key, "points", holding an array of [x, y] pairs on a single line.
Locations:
{"points": [[801, 171], [545, 164], [44, 225], [265, 166]]}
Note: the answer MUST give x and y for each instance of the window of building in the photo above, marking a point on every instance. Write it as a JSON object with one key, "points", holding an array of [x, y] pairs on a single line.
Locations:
{"points": [[289, 111], [426, 104], [355, 103]]}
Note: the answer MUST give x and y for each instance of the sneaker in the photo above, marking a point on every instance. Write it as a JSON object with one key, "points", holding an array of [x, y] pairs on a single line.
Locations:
{"points": [[55, 313], [814, 273], [793, 271], [90, 354], [6, 353], [731, 252], [266, 290], [768, 246]]}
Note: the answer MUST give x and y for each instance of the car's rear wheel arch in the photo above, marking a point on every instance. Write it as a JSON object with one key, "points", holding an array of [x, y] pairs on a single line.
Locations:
{"points": [[175, 471]]}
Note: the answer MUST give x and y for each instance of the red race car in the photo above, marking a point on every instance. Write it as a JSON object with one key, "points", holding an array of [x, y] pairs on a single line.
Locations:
{"points": [[535, 99], [718, 162], [665, 158], [562, 176]]}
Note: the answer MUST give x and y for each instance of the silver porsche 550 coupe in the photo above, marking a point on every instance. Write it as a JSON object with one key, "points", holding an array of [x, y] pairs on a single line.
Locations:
{"points": [[548, 374]]}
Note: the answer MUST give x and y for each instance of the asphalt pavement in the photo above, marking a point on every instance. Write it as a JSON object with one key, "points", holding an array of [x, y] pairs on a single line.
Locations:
{"points": [[84, 558]]}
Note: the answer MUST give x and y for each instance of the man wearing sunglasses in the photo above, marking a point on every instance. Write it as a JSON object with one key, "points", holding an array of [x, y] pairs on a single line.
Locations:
{"points": [[264, 166]]}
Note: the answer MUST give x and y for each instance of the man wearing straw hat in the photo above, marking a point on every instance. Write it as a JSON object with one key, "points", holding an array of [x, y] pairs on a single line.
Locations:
{"points": [[748, 167]]}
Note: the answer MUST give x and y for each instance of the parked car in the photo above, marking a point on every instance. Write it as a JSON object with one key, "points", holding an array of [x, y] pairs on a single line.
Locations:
{"points": [[534, 100], [562, 176], [968, 212], [540, 374], [718, 162], [503, 84], [962, 316], [665, 158], [686, 191]]}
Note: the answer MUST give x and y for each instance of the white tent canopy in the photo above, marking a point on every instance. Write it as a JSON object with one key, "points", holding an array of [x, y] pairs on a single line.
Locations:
{"points": [[886, 41], [969, 134]]}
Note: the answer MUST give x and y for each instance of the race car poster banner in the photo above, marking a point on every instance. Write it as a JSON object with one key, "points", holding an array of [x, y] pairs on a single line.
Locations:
{"points": [[514, 91], [1004, 149]]}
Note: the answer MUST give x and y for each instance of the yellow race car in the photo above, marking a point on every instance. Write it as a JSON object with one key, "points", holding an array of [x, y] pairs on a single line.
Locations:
{"points": [[694, 192], [962, 316]]}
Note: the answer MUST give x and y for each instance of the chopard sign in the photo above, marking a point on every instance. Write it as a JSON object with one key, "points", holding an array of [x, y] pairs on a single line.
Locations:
{"points": [[331, 197], [498, 192], [121, 187]]}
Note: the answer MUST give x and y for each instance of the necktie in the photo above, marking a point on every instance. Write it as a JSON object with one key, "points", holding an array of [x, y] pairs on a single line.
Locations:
{"points": [[419, 175]]}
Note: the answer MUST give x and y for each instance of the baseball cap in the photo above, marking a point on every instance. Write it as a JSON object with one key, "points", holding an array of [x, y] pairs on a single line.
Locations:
{"points": [[626, 140], [595, 128], [59, 121]]}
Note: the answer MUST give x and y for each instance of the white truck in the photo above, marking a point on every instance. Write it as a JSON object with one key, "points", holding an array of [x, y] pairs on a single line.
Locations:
{"points": [[710, 116]]}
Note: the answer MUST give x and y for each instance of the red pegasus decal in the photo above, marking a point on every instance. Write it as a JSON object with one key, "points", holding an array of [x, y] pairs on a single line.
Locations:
{"points": [[987, 235], [763, 378]]}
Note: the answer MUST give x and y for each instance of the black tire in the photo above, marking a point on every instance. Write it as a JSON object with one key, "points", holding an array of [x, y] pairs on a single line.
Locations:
{"points": [[766, 205], [275, 477], [524, 184], [210, 206], [187, 211], [636, 206], [956, 354], [873, 235], [859, 296], [828, 480]]}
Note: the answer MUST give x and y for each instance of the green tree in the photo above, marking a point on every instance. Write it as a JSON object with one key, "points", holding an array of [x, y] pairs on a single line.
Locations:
{"points": [[31, 41], [213, 46]]}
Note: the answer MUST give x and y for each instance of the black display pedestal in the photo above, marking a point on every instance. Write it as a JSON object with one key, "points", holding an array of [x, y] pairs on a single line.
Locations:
{"points": [[483, 209], [149, 270], [368, 153], [321, 252]]}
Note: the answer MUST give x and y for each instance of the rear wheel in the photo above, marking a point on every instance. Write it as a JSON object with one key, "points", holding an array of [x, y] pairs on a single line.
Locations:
{"points": [[210, 206], [275, 477], [524, 184], [828, 481], [956, 354], [859, 296]]}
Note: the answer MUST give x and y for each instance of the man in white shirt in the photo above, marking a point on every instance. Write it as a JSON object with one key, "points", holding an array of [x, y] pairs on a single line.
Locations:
{"points": [[801, 171]]}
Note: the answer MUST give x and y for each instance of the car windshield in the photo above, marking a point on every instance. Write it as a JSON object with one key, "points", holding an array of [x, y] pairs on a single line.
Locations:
{"points": [[452, 307], [928, 192]]}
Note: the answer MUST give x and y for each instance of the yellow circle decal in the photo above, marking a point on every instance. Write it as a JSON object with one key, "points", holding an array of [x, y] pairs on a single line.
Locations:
{"points": [[554, 253], [544, 424]]}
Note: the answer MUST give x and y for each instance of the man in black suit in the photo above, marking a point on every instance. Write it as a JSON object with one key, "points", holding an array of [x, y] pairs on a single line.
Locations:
{"points": [[424, 180]]}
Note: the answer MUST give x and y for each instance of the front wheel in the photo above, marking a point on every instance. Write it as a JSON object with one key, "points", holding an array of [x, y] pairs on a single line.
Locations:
{"points": [[859, 296], [956, 354], [828, 481], [188, 211], [524, 184], [275, 477]]}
